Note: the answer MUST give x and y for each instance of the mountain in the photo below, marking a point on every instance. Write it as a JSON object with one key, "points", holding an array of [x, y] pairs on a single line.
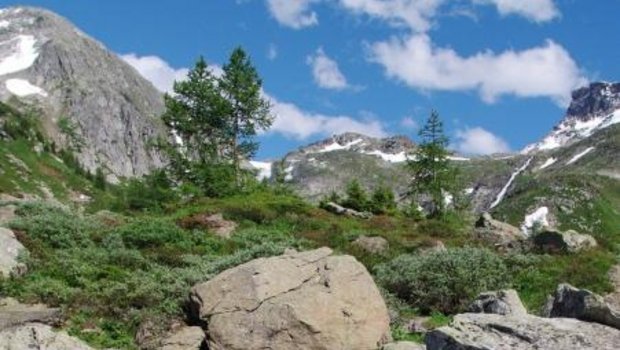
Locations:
{"points": [[89, 100]]}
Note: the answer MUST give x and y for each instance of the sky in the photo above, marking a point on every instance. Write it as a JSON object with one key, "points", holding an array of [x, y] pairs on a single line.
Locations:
{"points": [[499, 72]]}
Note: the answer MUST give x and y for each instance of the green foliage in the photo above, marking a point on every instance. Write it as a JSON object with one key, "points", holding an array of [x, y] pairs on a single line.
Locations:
{"points": [[99, 179], [151, 192], [430, 167], [382, 201], [443, 281], [356, 197], [69, 129]]}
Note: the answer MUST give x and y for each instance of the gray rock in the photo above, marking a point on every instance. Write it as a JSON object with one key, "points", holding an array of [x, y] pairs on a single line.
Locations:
{"points": [[13, 313], [10, 249], [555, 241], [526, 332], [307, 300], [373, 245], [7, 213], [340, 210], [38, 336], [499, 234], [114, 110], [404, 345], [185, 338], [582, 304], [503, 302]]}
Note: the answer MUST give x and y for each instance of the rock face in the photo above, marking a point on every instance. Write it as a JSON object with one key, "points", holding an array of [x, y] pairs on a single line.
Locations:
{"points": [[212, 222], [340, 210], [582, 304], [10, 249], [554, 241], [500, 234], [38, 336], [186, 338], [373, 245], [90, 98], [404, 345], [13, 313], [307, 300], [526, 332], [504, 302]]}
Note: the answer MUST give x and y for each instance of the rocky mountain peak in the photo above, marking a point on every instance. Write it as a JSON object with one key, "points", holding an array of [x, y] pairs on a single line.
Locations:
{"points": [[597, 99], [48, 63]]}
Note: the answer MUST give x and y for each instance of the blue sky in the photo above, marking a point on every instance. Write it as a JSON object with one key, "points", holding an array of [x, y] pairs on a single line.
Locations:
{"points": [[499, 72]]}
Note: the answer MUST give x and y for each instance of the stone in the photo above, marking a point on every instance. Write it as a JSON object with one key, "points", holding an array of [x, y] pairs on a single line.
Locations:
{"points": [[184, 338], [404, 345], [433, 247], [613, 298], [38, 336], [340, 210], [581, 304], [525, 332], [555, 241], [212, 222], [501, 235], [373, 245], [503, 302], [7, 213], [307, 300], [10, 249], [13, 313]]}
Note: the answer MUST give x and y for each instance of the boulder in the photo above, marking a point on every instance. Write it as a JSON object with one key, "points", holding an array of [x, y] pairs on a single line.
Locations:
{"points": [[340, 210], [501, 235], [7, 213], [10, 249], [306, 300], [555, 241], [212, 222], [13, 313], [432, 247], [613, 298], [582, 304], [184, 338], [403, 345], [373, 245], [503, 302], [525, 332], [38, 336]]}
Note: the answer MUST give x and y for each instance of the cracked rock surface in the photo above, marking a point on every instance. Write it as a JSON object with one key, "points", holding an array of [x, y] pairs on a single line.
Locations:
{"points": [[307, 300], [38, 336]]}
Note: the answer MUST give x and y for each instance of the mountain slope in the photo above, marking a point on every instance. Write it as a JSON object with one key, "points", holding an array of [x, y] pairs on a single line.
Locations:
{"points": [[90, 100]]}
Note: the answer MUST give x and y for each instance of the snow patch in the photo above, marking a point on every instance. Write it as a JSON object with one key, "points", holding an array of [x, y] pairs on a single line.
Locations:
{"points": [[538, 217], [456, 158], [448, 198], [289, 173], [469, 191], [4, 24], [21, 88], [579, 155], [389, 157], [22, 54], [264, 169], [337, 147], [549, 162], [514, 175]]}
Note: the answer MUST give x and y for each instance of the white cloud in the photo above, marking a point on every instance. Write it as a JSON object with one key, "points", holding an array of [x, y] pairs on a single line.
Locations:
{"points": [[272, 52], [535, 10], [156, 70], [290, 120], [326, 72], [544, 71], [416, 14], [409, 123], [480, 142], [295, 14]]}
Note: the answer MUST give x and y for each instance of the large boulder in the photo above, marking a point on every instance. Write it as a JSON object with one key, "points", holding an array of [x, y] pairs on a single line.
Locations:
{"points": [[555, 241], [340, 210], [307, 300], [499, 234], [404, 345], [525, 332], [38, 336], [184, 338], [503, 302], [213, 222], [13, 313], [582, 304], [7, 213], [10, 249], [373, 245]]}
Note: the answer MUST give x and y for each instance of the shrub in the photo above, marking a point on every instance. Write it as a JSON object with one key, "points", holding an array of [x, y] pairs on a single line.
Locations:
{"points": [[382, 201], [443, 281], [357, 198], [151, 192]]}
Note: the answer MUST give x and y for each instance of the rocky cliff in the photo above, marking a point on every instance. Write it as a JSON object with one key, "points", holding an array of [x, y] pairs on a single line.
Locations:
{"points": [[89, 99]]}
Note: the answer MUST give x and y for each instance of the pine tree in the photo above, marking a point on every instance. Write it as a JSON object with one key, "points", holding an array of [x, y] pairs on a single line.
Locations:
{"points": [[382, 201], [430, 167], [246, 110], [357, 198]]}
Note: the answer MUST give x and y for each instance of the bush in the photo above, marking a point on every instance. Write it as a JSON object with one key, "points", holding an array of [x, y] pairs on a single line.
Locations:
{"points": [[443, 281], [151, 192], [357, 198], [382, 201]]}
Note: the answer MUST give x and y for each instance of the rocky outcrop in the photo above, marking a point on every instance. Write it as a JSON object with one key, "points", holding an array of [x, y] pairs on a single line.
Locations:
{"points": [[555, 241], [404, 345], [91, 100], [499, 234], [372, 245], [7, 213], [13, 313], [525, 332], [185, 338], [307, 300], [38, 336], [212, 222], [504, 302], [582, 304], [10, 249], [340, 210]]}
